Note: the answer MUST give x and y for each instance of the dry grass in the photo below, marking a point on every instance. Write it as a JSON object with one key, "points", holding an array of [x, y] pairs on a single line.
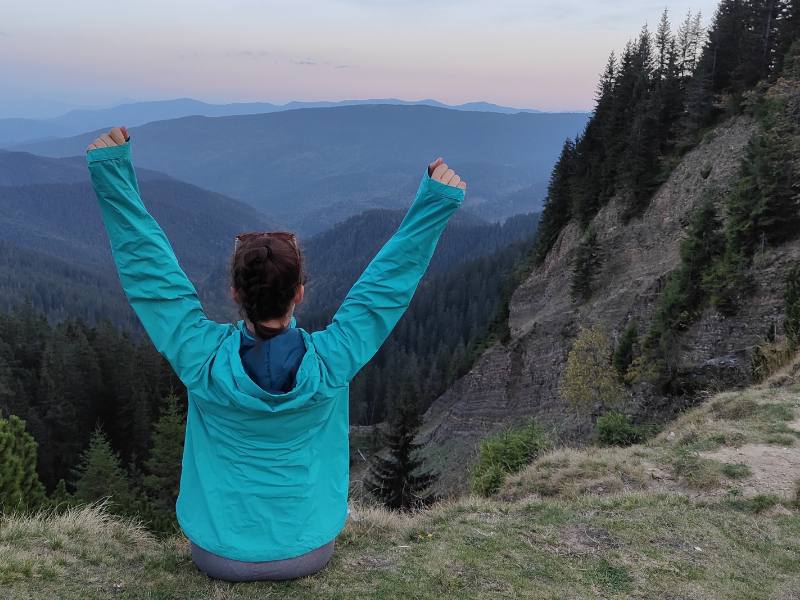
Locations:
{"points": [[676, 460], [660, 520]]}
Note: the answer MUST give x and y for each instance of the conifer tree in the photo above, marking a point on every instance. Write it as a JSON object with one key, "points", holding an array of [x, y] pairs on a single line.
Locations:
{"points": [[400, 481], [20, 487], [587, 263], [685, 291], [60, 498], [557, 209], [163, 467], [788, 32], [792, 306], [99, 474], [623, 355], [689, 44]]}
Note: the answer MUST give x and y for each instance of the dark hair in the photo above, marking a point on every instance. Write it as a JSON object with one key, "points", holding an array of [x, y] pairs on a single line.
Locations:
{"points": [[266, 272]]}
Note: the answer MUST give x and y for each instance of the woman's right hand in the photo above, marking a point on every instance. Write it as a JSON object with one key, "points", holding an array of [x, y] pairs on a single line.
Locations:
{"points": [[439, 171]]}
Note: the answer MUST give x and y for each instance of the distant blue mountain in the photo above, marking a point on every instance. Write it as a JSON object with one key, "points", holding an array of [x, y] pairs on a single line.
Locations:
{"points": [[16, 131], [312, 168]]}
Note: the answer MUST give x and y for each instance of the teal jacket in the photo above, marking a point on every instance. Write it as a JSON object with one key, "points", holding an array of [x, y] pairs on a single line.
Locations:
{"points": [[265, 476]]}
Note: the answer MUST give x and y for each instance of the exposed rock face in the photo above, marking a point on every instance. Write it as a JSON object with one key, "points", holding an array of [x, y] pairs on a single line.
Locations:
{"points": [[521, 379]]}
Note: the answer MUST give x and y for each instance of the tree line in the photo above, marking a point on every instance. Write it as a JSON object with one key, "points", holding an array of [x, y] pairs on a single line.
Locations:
{"points": [[656, 99]]}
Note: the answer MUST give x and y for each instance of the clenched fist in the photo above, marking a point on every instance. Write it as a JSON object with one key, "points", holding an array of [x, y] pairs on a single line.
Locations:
{"points": [[439, 171], [116, 137]]}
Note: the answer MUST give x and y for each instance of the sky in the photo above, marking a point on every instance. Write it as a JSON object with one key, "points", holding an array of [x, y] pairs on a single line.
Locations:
{"points": [[525, 53]]}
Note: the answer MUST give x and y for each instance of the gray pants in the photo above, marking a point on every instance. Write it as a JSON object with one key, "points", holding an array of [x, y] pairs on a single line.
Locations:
{"points": [[228, 569]]}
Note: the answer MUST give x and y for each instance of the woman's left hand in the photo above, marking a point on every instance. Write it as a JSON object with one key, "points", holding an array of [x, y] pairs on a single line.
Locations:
{"points": [[116, 137]]}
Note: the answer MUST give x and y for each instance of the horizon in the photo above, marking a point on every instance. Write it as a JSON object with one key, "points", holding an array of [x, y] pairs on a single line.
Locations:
{"points": [[250, 52]]}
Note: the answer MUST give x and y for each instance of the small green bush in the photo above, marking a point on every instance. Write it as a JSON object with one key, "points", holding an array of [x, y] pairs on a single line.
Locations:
{"points": [[505, 453], [616, 429]]}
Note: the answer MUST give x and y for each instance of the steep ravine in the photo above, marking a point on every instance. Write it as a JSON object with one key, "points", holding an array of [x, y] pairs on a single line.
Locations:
{"points": [[521, 378]]}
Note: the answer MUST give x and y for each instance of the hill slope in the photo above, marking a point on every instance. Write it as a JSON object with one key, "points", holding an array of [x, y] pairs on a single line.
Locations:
{"points": [[312, 168], [716, 350], [581, 539], [53, 224]]}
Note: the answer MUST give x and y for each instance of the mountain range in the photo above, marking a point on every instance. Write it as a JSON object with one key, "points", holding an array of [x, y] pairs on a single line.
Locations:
{"points": [[54, 245], [18, 130], [308, 169]]}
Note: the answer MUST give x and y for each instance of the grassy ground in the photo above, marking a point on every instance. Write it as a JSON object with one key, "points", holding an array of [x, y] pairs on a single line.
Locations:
{"points": [[724, 448], [662, 520]]}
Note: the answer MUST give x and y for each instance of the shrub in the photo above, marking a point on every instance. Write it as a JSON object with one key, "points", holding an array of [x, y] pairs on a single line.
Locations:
{"points": [[616, 429], [768, 357], [588, 379], [505, 453]]}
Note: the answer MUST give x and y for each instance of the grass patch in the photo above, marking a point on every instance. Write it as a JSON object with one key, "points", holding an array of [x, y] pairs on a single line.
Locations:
{"points": [[736, 471], [697, 472], [777, 412], [734, 408], [779, 439], [755, 505], [612, 578]]}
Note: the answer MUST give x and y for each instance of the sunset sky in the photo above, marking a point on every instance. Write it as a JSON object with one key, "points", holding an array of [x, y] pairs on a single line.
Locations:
{"points": [[524, 53]]}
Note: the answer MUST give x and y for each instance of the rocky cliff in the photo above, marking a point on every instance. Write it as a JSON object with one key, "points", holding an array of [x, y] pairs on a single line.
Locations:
{"points": [[520, 378]]}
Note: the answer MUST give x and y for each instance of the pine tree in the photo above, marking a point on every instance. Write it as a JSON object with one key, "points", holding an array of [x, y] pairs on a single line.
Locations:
{"points": [[643, 143], [689, 44], [586, 266], [623, 355], [763, 209], [99, 474], [792, 306], [788, 32], [400, 481], [685, 291], [163, 467], [60, 498], [20, 487], [557, 209]]}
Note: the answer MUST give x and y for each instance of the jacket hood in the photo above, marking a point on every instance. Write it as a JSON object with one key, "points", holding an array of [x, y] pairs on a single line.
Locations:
{"points": [[250, 396]]}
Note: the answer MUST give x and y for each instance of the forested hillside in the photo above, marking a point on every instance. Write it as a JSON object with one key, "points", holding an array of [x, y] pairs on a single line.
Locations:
{"points": [[58, 256], [335, 258], [71, 377], [665, 262]]}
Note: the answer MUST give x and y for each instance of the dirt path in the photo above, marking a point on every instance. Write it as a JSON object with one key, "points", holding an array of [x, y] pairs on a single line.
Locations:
{"points": [[775, 469]]}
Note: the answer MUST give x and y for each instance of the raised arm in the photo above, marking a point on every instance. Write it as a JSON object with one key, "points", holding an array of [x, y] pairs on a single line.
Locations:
{"points": [[157, 288], [381, 295]]}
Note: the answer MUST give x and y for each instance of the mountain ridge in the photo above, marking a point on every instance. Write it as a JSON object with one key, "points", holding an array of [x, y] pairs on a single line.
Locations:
{"points": [[348, 159], [16, 130]]}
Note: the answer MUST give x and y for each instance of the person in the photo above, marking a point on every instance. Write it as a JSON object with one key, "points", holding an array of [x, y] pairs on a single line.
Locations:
{"points": [[265, 469]]}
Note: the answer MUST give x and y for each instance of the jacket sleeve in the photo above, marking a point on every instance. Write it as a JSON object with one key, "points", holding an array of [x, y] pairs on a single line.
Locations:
{"points": [[161, 295], [379, 298]]}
